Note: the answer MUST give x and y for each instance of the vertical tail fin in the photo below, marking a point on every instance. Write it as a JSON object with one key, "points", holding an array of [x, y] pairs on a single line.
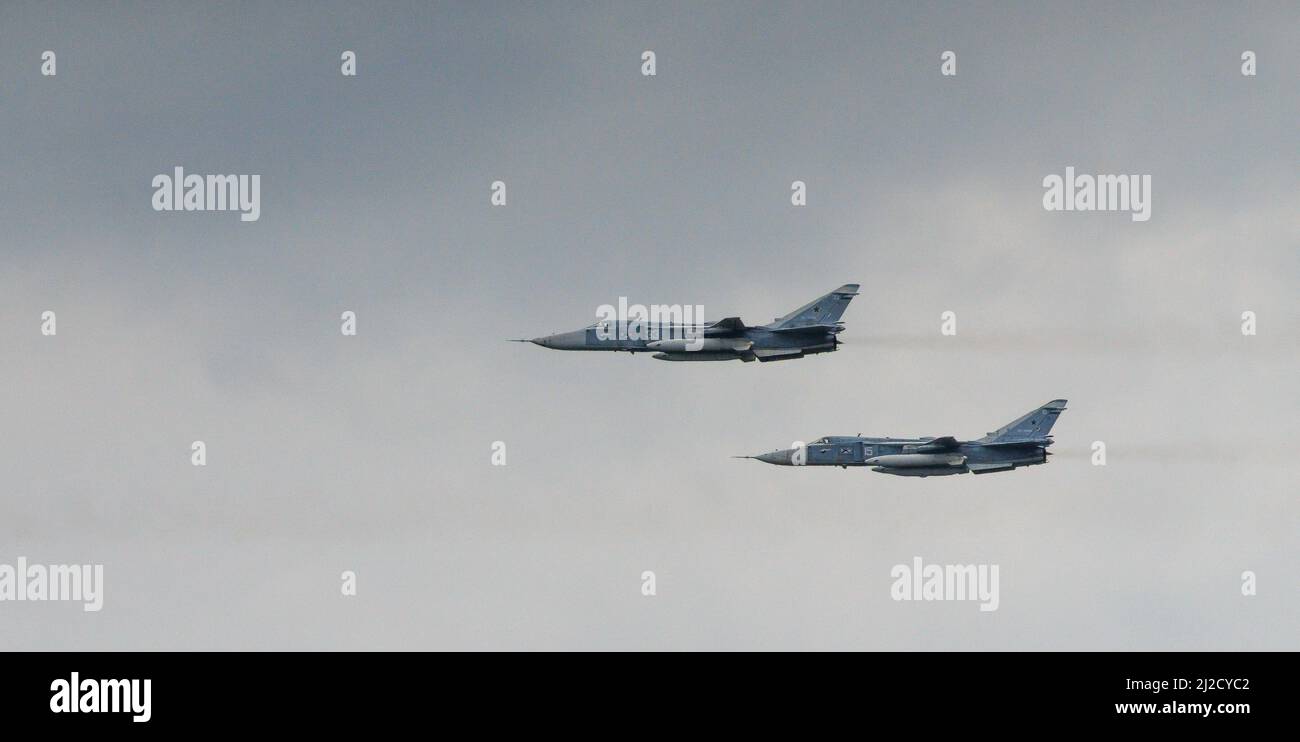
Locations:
{"points": [[824, 310], [1032, 426]]}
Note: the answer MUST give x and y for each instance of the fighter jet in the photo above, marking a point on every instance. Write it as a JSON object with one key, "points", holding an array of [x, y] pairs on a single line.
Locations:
{"points": [[1021, 442], [807, 330]]}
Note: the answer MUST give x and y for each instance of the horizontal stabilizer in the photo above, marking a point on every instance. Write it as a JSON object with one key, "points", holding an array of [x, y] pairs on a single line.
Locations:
{"points": [[777, 354], [986, 468], [810, 328], [1017, 442]]}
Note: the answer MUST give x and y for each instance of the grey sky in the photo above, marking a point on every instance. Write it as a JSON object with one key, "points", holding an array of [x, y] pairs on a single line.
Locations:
{"points": [[371, 453]]}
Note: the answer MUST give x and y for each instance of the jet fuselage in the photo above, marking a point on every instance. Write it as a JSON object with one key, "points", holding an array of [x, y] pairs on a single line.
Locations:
{"points": [[1021, 442], [909, 456], [808, 330]]}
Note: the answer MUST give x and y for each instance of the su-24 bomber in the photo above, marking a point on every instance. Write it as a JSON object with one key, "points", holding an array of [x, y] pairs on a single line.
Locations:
{"points": [[1021, 442], [807, 330]]}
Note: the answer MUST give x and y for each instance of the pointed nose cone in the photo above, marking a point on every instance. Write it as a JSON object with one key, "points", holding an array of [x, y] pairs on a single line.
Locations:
{"points": [[575, 340], [780, 458]]}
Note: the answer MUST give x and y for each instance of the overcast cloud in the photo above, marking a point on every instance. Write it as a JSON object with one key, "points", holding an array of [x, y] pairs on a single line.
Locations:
{"points": [[372, 453]]}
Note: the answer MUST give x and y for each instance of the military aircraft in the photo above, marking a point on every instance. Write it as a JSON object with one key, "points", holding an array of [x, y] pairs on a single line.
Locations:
{"points": [[807, 330], [1021, 442]]}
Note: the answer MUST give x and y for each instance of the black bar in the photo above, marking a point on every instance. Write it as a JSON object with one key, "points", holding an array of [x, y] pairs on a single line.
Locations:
{"points": [[920, 691]]}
